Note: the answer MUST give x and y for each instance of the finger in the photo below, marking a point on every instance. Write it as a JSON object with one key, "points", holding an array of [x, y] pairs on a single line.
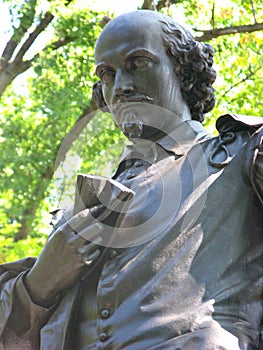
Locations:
{"points": [[91, 232], [82, 220], [88, 248], [97, 210], [88, 260], [117, 204]]}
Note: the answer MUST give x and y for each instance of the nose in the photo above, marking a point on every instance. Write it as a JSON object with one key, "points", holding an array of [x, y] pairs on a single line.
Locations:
{"points": [[124, 85]]}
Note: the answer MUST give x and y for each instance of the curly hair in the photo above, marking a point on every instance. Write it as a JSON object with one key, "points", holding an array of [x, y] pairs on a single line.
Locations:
{"points": [[193, 66]]}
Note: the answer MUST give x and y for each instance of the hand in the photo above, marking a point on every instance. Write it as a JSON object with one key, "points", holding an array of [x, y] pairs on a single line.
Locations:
{"points": [[66, 256], [72, 248]]}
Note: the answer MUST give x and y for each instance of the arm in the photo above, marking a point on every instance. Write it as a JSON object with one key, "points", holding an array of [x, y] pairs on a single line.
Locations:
{"points": [[257, 169], [21, 318], [26, 306], [31, 295]]}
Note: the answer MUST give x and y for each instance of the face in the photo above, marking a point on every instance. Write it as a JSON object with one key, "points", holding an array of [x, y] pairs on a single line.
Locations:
{"points": [[136, 74]]}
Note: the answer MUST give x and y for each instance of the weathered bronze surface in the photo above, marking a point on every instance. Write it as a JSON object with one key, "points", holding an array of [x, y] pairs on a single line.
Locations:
{"points": [[169, 255]]}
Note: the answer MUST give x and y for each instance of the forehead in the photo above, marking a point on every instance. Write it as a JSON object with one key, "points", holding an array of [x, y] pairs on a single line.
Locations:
{"points": [[124, 36]]}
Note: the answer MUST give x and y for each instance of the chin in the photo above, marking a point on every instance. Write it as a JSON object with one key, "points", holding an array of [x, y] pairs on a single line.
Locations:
{"points": [[147, 133]]}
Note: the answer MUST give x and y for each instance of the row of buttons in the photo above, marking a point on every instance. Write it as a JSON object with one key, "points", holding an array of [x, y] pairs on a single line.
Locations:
{"points": [[103, 336], [105, 313]]}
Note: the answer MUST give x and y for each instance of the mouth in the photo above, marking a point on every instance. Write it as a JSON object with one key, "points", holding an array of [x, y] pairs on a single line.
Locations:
{"points": [[129, 103], [131, 126], [128, 112], [136, 98]]}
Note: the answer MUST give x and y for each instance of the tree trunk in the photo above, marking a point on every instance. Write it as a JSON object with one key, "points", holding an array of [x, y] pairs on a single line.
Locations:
{"points": [[29, 213], [28, 216], [10, 71]]}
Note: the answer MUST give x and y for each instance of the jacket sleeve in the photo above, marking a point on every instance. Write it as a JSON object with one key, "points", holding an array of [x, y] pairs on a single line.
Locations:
{"points": [[20, 319], [256, 174], [254, 158]]}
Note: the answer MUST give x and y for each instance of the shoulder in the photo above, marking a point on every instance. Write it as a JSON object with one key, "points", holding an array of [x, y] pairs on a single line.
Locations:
{"points": [[238, 122], [244, 130], [238, 137]]}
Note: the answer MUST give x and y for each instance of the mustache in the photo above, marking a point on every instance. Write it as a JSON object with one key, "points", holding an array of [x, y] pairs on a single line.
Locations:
{"points": [[124, 100], [135, 98]]}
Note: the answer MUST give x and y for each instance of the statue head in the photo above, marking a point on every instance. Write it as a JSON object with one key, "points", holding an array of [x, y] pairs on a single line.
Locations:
{"points": [[145, 56]]}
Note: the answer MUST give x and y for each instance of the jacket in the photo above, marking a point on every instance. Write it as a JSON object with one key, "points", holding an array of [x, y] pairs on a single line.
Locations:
{"points": [[187, 273]]}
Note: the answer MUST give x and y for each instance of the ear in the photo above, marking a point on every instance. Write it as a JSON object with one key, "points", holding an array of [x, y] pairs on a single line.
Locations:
{"points": [[98, 98]]}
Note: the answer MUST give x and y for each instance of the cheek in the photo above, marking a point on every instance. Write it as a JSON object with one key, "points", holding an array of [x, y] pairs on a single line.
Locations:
{"points": [[106, 94], [167, 92], [173, 91], [165, 86]]}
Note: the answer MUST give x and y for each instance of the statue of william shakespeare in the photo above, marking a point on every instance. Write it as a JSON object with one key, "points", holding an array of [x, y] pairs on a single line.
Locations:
{"points": [[168, 253]]}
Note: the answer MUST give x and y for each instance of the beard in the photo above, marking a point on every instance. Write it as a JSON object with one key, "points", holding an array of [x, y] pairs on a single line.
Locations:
{"points": [[137, 130], [133, 128]]}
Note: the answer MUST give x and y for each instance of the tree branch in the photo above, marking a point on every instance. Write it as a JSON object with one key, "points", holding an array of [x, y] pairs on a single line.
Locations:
{"points": [[85, 117], [248, 76], [48, 17], [214, 33], [149, 4], [253, 10], [9, 49], [25, 22], [59, 43], [33, 36], [213, 16]]}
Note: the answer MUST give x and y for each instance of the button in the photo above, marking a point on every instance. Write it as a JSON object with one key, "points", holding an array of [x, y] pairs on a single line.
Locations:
{"points": [[112, 253], [130, 176], [138, 163], [103, 336], [105, 313], [128, 163]]}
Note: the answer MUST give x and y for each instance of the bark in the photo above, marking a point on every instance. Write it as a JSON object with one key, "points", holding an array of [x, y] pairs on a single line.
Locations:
{"points": [[11, 71]]}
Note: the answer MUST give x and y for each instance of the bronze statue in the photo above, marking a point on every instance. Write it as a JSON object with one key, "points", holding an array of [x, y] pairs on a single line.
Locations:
{"points": [[169, 255]]}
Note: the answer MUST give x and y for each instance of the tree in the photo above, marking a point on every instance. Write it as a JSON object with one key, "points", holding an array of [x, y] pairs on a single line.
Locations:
{"points": [[34, 123], [57, 98], [31, 24], [216, 31]]}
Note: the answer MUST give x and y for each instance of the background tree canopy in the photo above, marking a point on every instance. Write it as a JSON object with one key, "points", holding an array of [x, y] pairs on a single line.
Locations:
{"points": [[47, 129]]}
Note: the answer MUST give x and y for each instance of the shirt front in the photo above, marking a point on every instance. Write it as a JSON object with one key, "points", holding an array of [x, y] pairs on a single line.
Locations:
{"points": [[185, 267]]}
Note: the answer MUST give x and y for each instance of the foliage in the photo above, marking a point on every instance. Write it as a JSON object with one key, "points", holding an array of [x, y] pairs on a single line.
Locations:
{"points": [[36, 122], [238, 58]]}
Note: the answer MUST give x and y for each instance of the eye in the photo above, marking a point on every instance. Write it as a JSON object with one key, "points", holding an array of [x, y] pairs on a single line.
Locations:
{"points": [[107, 75], [140, 62]]}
